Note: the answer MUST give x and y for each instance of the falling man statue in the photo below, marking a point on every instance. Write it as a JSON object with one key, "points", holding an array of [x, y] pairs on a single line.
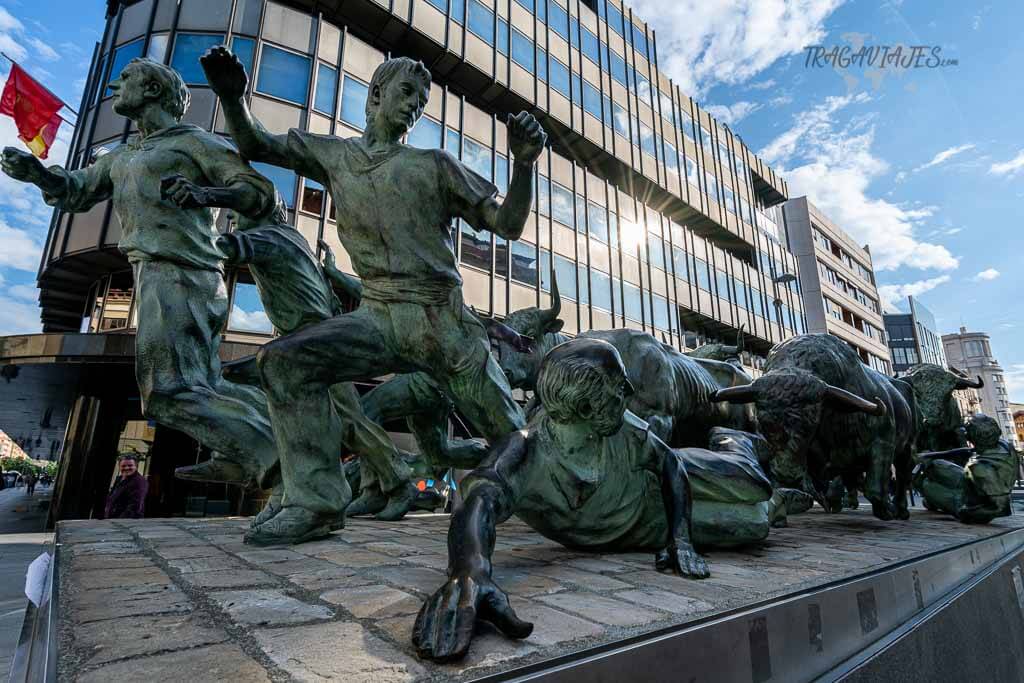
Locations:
{"points": [[169, 235], [587, 473], [395, 205]]}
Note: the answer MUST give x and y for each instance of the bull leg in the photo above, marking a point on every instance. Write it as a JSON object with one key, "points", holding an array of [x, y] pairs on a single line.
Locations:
{"points": [[904, 465], [879, 476]]}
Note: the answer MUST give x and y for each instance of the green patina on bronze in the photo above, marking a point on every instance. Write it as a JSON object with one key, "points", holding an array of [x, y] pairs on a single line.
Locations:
{"points": [[395, 206], [940, 421], [585, 472], [972, 484], [169, 235]]}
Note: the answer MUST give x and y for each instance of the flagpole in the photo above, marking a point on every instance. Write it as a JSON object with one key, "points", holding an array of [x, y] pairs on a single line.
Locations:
{"points": [[66, 105]]}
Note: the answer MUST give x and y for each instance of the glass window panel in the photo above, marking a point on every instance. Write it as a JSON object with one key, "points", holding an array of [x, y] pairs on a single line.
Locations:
{"points": [[326, 89], [247, 314], [157, 49], [660, 312], [614, 18], [632, 302], [500, 256], [597, 219], [558, 20], [620, 121], [188, 48], [481, 21], [542, 64], [591, 47], [574, 32], [656, 250], [245, 50], [426, 134], [565, 271], [730, 199], [524, 263], [312, 197], [647, 140], [581, 214], [453, 142], [122, 56], [501, 173], [613, 229], [692, 174], [591, 99], [618, 67], [559, 77], [283, 179], [600, 290], [353, 102], [561, 204], [528, 4], [544, 197], [522, 51], [502, 36], [477, 157], [476, 247], [584, 297], [703, 278], [724, 288], [671, 158], [283, 74], [686, 124], [681, 262]]}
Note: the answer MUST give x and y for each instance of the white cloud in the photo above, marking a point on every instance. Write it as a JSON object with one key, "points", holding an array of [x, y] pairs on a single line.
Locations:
{"points": [[893, 295], [900, 177], [8, 22], [18, 249], [17, 317], [702, 43], [987, 274], [255, 321], [24, 292], [780, 101], [835, 168], [762, 85], [11, 47], [45, 52], [944, 155], [1008, 167], [732, 114]]}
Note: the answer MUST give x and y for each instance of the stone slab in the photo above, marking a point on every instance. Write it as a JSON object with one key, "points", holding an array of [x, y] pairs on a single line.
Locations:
{"points": [[229, 579], [144, 636], [375, 601], [212, 664], [268, 608]]}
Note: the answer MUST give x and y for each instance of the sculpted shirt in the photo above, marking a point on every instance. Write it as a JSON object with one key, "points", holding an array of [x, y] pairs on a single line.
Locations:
{"points": [[395, 207], [153, 228], [608, 497], [993, 472]]}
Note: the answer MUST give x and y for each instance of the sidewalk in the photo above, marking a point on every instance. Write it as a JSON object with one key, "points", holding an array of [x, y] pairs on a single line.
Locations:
{"points": [[22, 539]]}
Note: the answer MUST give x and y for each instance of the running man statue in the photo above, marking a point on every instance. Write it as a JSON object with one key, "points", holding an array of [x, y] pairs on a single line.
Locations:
{"points": [[169, 235], [395, 206]]}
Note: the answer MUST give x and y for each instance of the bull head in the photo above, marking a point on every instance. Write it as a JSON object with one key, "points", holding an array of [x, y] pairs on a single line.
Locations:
{"points": [[840, 399], [964, 382], [501, 333]]}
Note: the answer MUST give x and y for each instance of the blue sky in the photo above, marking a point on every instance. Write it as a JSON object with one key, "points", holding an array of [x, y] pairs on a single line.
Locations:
{"points": [[926, 165]]}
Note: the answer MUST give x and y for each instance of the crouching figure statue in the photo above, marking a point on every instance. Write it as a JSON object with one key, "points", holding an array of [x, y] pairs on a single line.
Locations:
{"points": [[972, 484], [584, 472]]}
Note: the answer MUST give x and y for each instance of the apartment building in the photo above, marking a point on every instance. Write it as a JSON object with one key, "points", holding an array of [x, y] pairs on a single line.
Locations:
{"points": [[971, 353]]}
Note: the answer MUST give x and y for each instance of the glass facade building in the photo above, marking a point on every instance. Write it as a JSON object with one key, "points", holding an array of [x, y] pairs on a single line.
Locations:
{"points": [[650, 213]]}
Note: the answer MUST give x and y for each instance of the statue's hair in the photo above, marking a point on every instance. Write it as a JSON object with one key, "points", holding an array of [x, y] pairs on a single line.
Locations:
{"points": [[176, 97], [393, 68], [984, 430], [572, 387]]}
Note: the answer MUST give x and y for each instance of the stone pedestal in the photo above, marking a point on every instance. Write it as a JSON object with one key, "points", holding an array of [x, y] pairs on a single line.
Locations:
{"points": [[184, 599]]}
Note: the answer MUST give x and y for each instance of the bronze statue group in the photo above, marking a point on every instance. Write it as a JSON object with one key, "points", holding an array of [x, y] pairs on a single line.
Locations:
{"points": [[627, 443]]}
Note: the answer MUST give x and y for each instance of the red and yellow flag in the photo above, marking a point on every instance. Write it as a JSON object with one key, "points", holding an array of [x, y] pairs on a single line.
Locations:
{"points": [[34, 110]]}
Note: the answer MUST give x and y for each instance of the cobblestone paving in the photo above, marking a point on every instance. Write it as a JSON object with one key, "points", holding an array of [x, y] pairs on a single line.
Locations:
{"points": [[185, 599]]}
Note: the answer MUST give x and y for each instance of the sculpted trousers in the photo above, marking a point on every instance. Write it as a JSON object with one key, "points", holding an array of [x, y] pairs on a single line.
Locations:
{"points": [[377, 338], [181, 312], [295, 294]]}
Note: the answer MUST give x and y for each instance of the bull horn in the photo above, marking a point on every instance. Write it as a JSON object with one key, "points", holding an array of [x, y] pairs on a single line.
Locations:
{"points": [[548, 317], [964, 383], [746, 393], [843, 399]]}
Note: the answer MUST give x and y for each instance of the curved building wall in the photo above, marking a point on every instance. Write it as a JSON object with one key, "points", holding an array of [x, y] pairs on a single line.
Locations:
{"points": [[651, 214]]}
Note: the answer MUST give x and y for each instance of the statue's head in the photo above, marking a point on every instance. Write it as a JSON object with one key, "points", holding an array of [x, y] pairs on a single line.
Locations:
{"points": [[143, 83], [984, 432], [583, 382], [399, 90]]}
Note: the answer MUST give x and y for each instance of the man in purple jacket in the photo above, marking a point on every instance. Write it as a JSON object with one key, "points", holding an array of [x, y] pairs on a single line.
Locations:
{"points": [[128, 496]]}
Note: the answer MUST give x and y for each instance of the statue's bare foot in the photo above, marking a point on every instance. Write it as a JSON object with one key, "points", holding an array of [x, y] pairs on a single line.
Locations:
{"points": [[399, 503], [291, 525]]}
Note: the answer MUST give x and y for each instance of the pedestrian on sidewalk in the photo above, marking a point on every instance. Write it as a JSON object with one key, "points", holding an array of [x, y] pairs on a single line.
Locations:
{"points": [[30, 483], [127, 497]]}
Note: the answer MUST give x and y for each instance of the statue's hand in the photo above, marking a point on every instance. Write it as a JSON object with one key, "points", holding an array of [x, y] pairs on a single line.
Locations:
{"points": [[21, 165], [444, 627], [682, 560], [225, 73], [526, 137], [329, 262], [183, 192]]}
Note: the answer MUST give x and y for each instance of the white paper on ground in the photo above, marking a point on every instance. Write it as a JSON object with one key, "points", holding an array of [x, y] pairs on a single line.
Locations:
{"points": [[36, 588]]}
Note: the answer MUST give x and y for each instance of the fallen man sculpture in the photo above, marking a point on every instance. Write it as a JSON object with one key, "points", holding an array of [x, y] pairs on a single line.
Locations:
{"points": [[972, 484], [585, 472]]}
